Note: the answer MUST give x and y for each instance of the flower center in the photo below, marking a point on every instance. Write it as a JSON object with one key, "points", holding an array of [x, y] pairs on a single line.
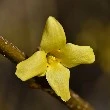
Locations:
{"points": [[51, 59]]}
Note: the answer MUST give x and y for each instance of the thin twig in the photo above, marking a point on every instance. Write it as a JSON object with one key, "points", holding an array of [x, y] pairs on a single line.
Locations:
{"points": [[11, 52]]}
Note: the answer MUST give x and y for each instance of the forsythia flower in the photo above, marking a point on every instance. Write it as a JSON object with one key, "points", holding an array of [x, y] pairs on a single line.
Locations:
{"points": [[54, 58]]}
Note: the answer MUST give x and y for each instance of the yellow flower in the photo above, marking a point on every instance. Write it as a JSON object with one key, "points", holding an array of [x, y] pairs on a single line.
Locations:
{"points": [[54, 58]]}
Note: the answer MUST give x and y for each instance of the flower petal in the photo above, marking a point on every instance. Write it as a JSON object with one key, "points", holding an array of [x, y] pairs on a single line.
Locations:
{"points": [[33, 66], [53, 37], [58, 78], [72, 55]]}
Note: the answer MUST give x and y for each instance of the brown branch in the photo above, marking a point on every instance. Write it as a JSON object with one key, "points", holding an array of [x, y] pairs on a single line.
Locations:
{"points": [[11, 52]]}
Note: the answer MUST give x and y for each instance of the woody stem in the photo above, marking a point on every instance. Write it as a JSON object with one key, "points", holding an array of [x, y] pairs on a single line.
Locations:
{"points": [[15, 55]]}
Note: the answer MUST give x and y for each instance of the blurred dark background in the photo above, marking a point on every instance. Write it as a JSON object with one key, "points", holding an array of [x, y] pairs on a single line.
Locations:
{"points": [[86, 22]]}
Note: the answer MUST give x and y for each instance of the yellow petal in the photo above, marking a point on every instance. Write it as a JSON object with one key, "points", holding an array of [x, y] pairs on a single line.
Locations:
{"points": [[41, 75], [72, 55], [58, 78], [33, 66], [53, 37]]}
